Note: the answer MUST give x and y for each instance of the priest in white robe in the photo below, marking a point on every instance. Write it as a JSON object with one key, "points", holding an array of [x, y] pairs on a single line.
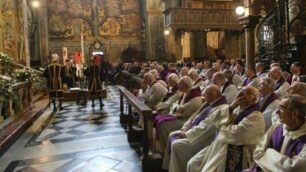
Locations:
{"points": [[251, 78], [172, 95], [196, 78], [155, 91], [283, 148], [239, 131], [281, 85], [228, 89], [188, 104], [269, 101], [196, 133]]}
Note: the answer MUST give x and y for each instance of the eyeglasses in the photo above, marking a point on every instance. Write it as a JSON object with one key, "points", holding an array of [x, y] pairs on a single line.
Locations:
{"points": [[280, 110]]}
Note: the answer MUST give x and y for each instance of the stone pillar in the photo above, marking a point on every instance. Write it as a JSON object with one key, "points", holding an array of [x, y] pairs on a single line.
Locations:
{"points": [[200, 44], [249, 22], [155, 41]]}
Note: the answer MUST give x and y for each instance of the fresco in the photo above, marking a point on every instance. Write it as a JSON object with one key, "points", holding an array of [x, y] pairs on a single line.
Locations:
{"points": [[106, 18]]}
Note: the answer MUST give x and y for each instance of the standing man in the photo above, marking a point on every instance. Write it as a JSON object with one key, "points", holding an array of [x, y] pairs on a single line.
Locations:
{"points": [[54, 74], [95, 77], [69, 74]]}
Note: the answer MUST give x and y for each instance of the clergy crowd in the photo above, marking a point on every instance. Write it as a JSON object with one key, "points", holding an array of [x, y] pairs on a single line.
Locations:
{"points": [[217, 117]]}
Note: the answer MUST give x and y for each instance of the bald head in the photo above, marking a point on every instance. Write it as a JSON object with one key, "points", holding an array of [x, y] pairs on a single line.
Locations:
{"points": [[173, 79], [148, 78], [276, 73], [298, 88], [252, 92], [184, 71], [212, 93], [193, 74], [219, 79], [185, 83]]}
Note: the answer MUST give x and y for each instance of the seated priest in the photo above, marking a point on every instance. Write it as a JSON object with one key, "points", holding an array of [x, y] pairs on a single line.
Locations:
{"points": [[171, 97], [260, 70], [155, 91], [208, 78], [228, 89], [251, 78], [157, 77], [282, 148], [269, 101], [240, 128], [180, 111], [196, 78], [153, 94], [298, 88], [197, 133], [296, 70], [184, 71], [281, 85]]}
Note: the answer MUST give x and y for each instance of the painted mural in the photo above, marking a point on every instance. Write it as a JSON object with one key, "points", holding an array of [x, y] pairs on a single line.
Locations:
{"points": [[11, 28], [105, 18]]}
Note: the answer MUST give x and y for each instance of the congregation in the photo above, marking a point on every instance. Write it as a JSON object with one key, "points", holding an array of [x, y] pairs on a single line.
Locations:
{"points": [[219, 116]]}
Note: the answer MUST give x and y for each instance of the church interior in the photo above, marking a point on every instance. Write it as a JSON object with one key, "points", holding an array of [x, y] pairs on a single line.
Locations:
{"points": [[152, 85]]}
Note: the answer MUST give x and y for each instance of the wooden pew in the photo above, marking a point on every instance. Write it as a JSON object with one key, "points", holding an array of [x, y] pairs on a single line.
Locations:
{"points": [[131, 82], [150, 163]]}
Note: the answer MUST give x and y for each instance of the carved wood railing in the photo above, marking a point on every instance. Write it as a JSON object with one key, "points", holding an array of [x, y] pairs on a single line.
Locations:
{"points": [[11, 108], [135, 105], [200, 19]]}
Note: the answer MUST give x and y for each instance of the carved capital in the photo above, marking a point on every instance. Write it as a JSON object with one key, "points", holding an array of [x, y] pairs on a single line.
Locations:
{"points": [[250, 21]]}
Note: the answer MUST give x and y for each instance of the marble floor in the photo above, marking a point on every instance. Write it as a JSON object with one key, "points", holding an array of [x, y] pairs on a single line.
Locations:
{"points": [[76, 139]]}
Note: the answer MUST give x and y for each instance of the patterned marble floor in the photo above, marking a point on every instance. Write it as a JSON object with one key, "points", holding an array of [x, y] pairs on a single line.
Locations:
{"points": [[79, 138]]}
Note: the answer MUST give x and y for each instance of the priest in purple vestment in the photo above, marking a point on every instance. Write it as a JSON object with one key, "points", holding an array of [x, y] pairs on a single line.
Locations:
{"points": [[283, 149], [196, 133]]}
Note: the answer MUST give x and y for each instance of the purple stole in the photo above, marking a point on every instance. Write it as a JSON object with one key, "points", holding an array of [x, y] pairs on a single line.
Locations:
{"points": [[271, 98], [207, 111], [171, 92], [279, 83], [226, 85], [234, 156], [200, 117], [289, 79], [193, 93], [161, 118], [293, 149], [248, 80], [163, 75]]}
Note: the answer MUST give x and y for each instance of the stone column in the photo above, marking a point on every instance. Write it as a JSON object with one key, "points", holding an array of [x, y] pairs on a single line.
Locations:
{"points": [[200, 44], [249, 22]]}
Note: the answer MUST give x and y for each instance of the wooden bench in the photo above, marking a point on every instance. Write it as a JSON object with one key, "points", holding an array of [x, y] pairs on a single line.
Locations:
{"points": [[140, 108]]}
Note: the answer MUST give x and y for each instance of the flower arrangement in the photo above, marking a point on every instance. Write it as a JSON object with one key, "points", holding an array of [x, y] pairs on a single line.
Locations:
{"points": [[6, 59], [22, 75], [6, 89]]}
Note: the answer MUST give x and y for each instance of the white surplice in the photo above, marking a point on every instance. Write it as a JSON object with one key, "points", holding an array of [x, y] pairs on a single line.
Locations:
{"points": [[198, 137], [269, 159], [247, 133]]}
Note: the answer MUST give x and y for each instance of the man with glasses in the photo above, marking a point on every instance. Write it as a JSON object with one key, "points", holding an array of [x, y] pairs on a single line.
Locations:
{"points": [[282, 149], [297, 88], [196, 133], [240, 125], [269, 101]]}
